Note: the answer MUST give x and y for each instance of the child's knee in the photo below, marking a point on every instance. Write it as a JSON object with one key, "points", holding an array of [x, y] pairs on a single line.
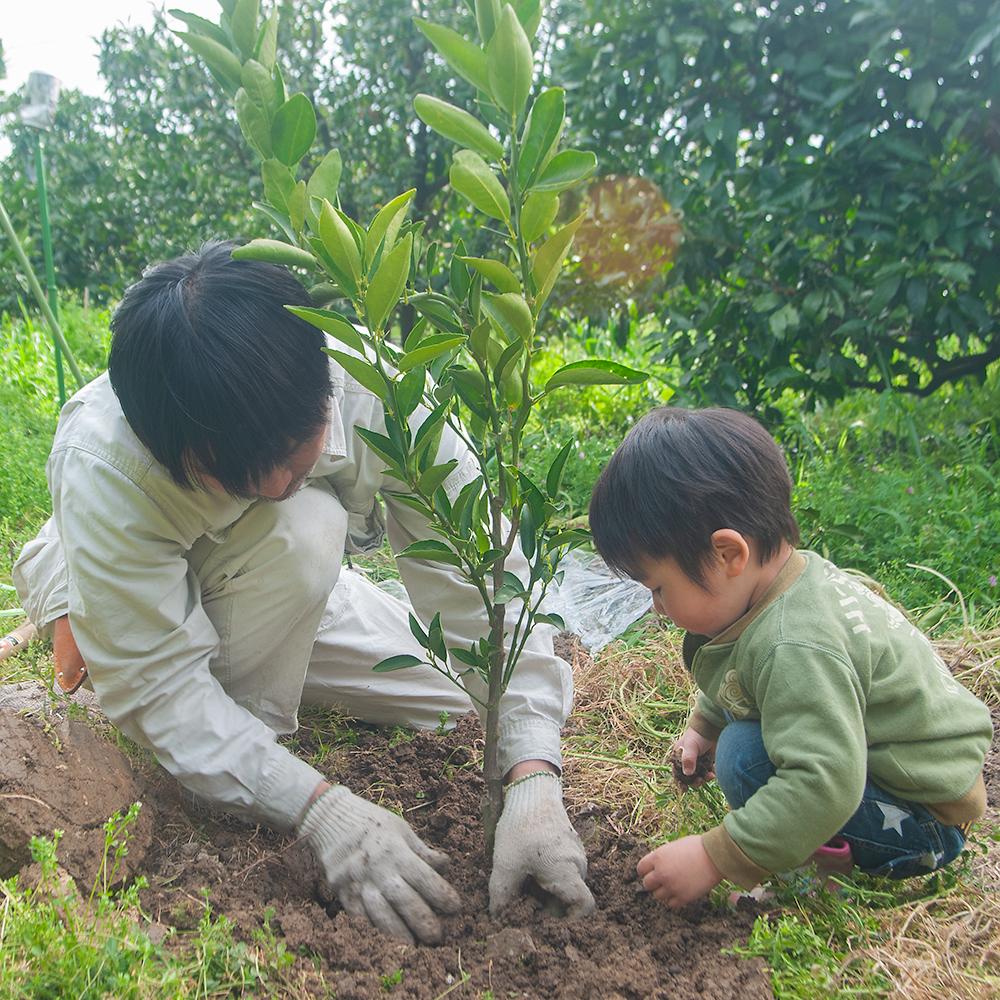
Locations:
{"points": [[741, 762]]}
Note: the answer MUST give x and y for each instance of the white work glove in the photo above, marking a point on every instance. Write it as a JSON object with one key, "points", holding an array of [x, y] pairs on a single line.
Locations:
{"points": [[377, 867], [535, 838]]}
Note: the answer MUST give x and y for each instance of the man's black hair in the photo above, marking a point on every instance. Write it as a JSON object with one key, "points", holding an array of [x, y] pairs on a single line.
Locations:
{"points": [[681, 475], [213, 373]]}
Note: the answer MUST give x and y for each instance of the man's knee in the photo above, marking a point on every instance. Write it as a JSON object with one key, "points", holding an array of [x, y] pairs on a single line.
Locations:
{"points": [[294, 547], [741, 762], [311, 529]]}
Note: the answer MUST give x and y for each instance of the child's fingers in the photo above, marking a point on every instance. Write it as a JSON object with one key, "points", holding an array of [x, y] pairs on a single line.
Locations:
{"points": [[645, 865]]}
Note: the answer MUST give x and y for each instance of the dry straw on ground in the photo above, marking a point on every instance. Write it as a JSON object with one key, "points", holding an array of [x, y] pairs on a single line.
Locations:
{"points": [[618, 757]]}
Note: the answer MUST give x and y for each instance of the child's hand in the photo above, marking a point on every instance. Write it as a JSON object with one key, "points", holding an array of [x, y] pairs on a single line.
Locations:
{"points": [[696, 754], [679, 872]]}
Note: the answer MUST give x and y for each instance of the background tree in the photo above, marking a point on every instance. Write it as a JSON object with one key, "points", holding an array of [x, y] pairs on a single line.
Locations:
{"points": [[837, 168]]}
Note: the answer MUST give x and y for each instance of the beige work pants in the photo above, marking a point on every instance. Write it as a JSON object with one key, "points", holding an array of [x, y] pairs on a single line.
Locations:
{"points": [[296, 628]]}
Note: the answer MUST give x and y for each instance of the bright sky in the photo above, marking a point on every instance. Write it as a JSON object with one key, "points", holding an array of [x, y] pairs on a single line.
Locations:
{"points": [[59, 36]]}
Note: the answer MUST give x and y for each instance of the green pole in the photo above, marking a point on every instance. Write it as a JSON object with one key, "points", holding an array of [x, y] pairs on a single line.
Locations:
{"points": [[50, 271], [36, 289]]}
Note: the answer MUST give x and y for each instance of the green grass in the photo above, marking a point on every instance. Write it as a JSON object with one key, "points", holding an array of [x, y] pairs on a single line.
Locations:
{"points": [[59, 941], [880, 482]]}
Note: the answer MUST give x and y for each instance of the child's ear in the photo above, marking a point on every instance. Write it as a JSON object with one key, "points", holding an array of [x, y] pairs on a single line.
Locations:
{"points": [[732, 550]]}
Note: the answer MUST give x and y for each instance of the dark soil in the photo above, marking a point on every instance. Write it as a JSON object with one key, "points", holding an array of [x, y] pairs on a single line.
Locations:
{"points": [[631, 947], [701, 768]]}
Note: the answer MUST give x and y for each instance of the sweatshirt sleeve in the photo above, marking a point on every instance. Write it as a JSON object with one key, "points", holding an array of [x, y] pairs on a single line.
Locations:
{"points": [[135, 608], [540, 693], [812, 721]]}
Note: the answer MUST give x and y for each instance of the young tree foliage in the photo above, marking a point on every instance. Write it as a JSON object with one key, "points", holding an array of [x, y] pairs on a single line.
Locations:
{"points": [[467, 362]]}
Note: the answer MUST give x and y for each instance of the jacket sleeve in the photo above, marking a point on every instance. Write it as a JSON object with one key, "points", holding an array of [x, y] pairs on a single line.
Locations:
{"points": [[136, 612], [540, 694], [812, 722]]}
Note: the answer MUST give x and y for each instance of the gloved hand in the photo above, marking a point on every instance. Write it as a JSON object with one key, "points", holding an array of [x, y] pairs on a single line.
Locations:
{"points": [[377, 866], [534, 837]]}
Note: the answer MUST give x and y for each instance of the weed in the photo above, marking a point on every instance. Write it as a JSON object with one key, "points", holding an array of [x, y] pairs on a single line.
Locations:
{"points": [[392, 980]]}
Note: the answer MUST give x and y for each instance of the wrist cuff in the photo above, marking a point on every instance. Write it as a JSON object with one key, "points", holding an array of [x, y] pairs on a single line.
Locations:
{"points": [[730, 859], [527, 777]]}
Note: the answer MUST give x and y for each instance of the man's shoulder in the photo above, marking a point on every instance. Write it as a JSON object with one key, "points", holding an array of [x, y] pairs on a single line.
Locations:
{"points": [[92, 427]]}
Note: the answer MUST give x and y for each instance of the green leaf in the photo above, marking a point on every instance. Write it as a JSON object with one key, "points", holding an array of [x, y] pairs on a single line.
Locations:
{"points": [[529, 13], [553, 479], [332, 323], [527, 531], [435, 476], [267, 43], [495, 272], [243, 24], [547, 260], [463, 505], [222, 63], [280, 219], [275, 252], [595, 371], [479, 340], [487, 18], [325, 178], [438, 313], [511, 315], [362, 371], [566, 169], [417, 630], [410, 390], [279, 184], [297, 206], [540, 210], [458, 125], [464, 656], [385, 225], [259, 86], [383, 446], [293, 129], [464, 57], [398, 662], [784, 319], [428, 349], [340, 245], [389, 281], [510, 64], [431, 551], [884, 293], [979, 41], [254, 124], [502, 373], [511, 590], [541, 133], [472, 390], [552, 619], [472, 178], [458, 274], [200, 26]]}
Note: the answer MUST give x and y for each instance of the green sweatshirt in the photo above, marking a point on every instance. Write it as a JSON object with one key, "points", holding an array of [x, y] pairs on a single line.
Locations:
{"points": [[844, 687]]}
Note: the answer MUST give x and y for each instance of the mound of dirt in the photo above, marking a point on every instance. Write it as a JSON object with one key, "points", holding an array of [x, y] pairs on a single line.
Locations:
{"points": [[57, 774], [630, 948]]}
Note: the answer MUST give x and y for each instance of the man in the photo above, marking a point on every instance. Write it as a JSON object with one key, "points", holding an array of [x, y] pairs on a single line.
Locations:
{"points": [[204, 493]]}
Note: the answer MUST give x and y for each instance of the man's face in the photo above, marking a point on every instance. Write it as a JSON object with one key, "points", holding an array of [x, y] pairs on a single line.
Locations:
{"points": [[285, 479]]}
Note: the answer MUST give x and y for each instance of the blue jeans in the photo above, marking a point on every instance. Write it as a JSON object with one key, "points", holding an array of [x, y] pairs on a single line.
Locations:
{"points": [[888, 836]]}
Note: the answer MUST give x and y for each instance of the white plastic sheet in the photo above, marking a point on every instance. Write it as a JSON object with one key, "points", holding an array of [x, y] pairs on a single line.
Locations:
{"points": [[596, 605]]}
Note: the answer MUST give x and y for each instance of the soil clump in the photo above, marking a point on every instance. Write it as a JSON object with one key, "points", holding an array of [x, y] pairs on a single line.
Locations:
{"points": [[631, 948]]}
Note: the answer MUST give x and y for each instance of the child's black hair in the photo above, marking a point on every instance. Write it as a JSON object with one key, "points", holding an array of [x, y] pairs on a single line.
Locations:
{"points": [[681, 475], [213, 373]]}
